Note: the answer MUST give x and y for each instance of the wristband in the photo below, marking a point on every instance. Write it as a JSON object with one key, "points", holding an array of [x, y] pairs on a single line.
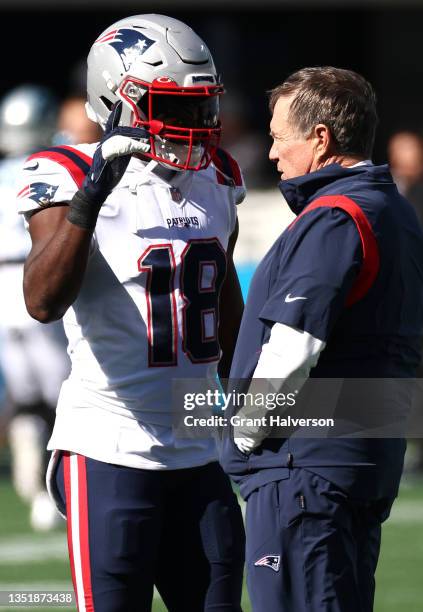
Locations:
{"points": [[83, 210]]}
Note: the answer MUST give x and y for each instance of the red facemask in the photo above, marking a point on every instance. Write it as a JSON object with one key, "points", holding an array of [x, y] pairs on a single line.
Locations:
{"points": [[183, 122]]}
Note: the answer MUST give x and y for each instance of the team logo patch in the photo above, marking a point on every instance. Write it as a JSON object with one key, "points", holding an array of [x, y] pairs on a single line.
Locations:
{"points": [[42, 193], [129, 43], [272, 561]]}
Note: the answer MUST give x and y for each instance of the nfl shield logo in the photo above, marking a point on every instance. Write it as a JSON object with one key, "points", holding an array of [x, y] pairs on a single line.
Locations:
{"points": [[176, 194]]}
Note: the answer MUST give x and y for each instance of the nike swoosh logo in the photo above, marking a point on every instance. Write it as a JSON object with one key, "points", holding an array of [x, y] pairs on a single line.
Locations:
{"points": [[33, 167], [293, 299]]}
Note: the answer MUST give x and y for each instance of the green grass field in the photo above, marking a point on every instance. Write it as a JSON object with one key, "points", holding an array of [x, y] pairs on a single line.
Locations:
{"points": [[38, 561]]}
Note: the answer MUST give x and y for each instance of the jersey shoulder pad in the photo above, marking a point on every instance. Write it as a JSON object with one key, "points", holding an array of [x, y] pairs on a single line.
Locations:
{"points": [[229, 173], [52, 175], [75, 160], [227, 170]]}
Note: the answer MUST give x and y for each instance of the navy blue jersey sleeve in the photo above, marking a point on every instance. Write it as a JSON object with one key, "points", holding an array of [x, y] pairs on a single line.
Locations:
{"points": [[318, 265]]}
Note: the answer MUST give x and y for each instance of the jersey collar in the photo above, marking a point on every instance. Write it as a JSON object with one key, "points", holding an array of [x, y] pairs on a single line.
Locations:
{"points": [[301, 190]]}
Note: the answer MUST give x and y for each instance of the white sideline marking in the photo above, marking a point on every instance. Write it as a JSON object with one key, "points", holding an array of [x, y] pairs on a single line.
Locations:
{"points": [[406, 512], [35, 548], [36, 586]]}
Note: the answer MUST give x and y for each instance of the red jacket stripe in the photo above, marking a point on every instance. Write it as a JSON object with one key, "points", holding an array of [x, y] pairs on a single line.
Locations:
{"points": [[371, 260]]}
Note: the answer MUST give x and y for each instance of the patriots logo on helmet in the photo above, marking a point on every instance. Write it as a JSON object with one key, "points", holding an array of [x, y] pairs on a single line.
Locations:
{"points": [[42, 193], [272, 561], [130, 44]]}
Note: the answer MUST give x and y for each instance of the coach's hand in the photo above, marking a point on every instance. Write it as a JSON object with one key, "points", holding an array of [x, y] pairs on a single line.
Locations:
{"points": [[109, 164], [248, 438], [245, 445]]}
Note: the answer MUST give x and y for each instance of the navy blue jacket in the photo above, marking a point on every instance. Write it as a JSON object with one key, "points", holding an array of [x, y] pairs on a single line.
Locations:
{"points": [[355, 251]]}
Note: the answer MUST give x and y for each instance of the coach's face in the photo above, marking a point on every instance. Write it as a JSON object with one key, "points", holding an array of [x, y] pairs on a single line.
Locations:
{"points": [[293, 154]]}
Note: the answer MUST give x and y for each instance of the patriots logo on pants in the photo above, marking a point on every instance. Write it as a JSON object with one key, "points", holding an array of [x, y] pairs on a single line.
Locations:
{"points": [[272, 561], [42, 193], [128, 43]]}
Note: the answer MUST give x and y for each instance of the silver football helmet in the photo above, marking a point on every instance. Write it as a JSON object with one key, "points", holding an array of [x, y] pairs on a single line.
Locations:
{"points": [[28, 116], [166, 79]]}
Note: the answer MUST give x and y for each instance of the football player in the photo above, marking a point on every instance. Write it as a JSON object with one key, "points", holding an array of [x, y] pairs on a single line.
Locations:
{"points": [[132, 245], [32, 356]]}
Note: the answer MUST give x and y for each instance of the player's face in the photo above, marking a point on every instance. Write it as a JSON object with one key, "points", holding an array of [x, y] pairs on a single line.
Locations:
{"points": [[293, 154]]}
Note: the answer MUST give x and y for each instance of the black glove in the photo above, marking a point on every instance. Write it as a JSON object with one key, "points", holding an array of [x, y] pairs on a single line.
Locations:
{"points": [[109, 164]]}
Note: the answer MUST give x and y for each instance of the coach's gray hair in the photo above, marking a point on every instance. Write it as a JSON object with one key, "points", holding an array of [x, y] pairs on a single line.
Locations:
{"points": [[340, 99]]}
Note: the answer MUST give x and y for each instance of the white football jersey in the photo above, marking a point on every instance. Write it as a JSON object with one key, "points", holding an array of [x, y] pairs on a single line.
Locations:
{"points": [[147, 312]]}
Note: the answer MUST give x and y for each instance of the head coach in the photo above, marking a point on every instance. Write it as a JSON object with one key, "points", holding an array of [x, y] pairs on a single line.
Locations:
{"points": [[339, 295]]}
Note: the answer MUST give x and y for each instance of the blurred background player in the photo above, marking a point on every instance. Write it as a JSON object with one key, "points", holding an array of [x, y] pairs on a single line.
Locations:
{"points": [[405, 155], [73, 125], [32, 356], [246, 144]]}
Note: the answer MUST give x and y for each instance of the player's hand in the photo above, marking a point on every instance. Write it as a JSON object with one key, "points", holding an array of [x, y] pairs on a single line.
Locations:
{"points": [[110, 161], [112, 156]]}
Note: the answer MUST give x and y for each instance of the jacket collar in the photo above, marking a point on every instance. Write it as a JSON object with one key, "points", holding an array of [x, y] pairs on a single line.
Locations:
{"points": [[301, 190]]}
